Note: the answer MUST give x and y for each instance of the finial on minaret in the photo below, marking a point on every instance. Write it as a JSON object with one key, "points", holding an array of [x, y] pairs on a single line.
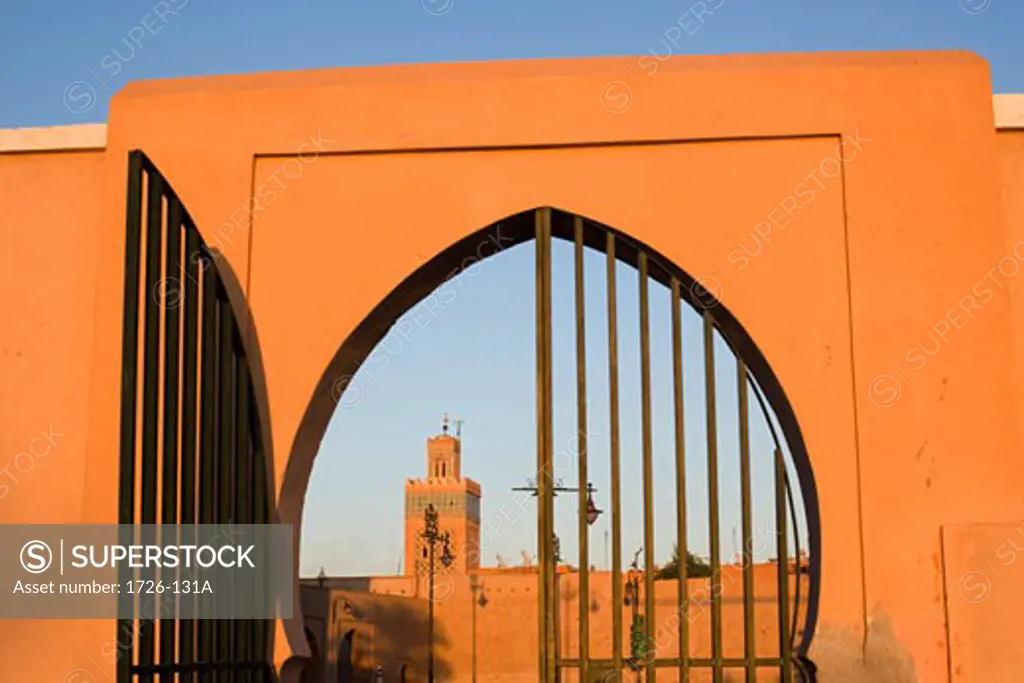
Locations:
{"points": [[444, 427]]}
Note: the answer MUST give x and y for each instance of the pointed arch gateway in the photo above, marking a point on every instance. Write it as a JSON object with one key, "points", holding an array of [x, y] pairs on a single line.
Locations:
{"points": [[635, 642]]}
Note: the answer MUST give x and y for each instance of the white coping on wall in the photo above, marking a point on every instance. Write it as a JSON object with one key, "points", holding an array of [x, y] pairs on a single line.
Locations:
{"points": [[54, 138], [1009, 111], [1009, 114]]}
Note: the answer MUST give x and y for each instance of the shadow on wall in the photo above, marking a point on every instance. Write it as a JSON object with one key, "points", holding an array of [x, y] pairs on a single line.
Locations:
{"points": [[313, 673], [391, 632]]}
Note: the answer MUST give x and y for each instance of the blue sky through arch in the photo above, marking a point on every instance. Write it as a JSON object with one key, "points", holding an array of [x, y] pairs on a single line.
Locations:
{"points": [[469, 349]]}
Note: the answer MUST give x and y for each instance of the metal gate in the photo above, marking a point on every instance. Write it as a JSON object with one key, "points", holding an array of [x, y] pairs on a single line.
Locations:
{"points": [[795, 612], [191, 449]]}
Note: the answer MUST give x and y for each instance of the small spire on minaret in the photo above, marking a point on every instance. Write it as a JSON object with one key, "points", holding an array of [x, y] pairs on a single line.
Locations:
{"points": [[444, 427]]}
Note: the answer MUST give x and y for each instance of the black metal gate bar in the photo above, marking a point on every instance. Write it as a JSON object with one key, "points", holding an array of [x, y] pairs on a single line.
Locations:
{"points": [[581, 421], [172, 333], [226, 434], [712, 448], [749, 642], [545, 448], [613, 421], [151, 400], [129, 381], [243, 498], [189, 418], [785, 667], [261, 505], [648, 463], [208, 445], [184, 382], [683, 592]]}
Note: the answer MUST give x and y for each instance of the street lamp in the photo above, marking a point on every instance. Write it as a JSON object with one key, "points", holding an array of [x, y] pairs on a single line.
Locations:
{"points": [[432, 536], [593, 512], [637, 641]]}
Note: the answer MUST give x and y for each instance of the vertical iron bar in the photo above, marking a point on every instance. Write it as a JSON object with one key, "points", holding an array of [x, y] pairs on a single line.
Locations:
{"points": [[255, 462], [581, 418], [712, 445], [546, 446], [682, 544], [613, 419], [172, 332], [237, 361], [243, 498], [648, 468], [785, 664], [208, 445], [129, 378], [261, 504], [749, 642], [542, 527], [151, 402], [226, 416], [554, 673], [186, 627], [430, 608]]}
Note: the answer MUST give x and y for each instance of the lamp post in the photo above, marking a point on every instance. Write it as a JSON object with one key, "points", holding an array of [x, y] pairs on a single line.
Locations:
{"points": [[636, 627], [593, 512], [432, 536]]}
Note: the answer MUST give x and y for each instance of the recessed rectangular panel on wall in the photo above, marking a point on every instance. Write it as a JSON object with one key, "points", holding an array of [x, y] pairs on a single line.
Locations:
{"points": [[759, 223], [984, 589]]}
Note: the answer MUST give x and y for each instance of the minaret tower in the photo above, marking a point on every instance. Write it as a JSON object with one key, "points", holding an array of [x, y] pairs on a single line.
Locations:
{"points": [[456, 499]]}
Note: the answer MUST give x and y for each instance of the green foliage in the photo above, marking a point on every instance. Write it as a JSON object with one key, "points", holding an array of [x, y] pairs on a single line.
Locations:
{"points": [[637, 638], [696, 567]]}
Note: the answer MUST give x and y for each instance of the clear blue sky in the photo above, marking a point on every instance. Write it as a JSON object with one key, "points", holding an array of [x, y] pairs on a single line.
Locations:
{"points": [[474, 359]]}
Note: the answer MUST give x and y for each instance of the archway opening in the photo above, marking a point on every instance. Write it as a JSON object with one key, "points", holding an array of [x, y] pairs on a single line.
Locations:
{"points": [[346, 662], [669, 493], [313, 671]]}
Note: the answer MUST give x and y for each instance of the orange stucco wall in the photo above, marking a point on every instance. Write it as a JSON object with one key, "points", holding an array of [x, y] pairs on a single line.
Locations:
{"points": [[486, 623], [49, 217], [879, 302]]}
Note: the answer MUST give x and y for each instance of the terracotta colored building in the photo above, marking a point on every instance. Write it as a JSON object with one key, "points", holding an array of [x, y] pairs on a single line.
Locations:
{"points": [[486, 617], [854, 221]]}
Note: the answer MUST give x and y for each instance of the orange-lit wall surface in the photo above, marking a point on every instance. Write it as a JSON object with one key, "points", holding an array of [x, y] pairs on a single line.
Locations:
{"points": [[884, 207], [486, 622]]}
